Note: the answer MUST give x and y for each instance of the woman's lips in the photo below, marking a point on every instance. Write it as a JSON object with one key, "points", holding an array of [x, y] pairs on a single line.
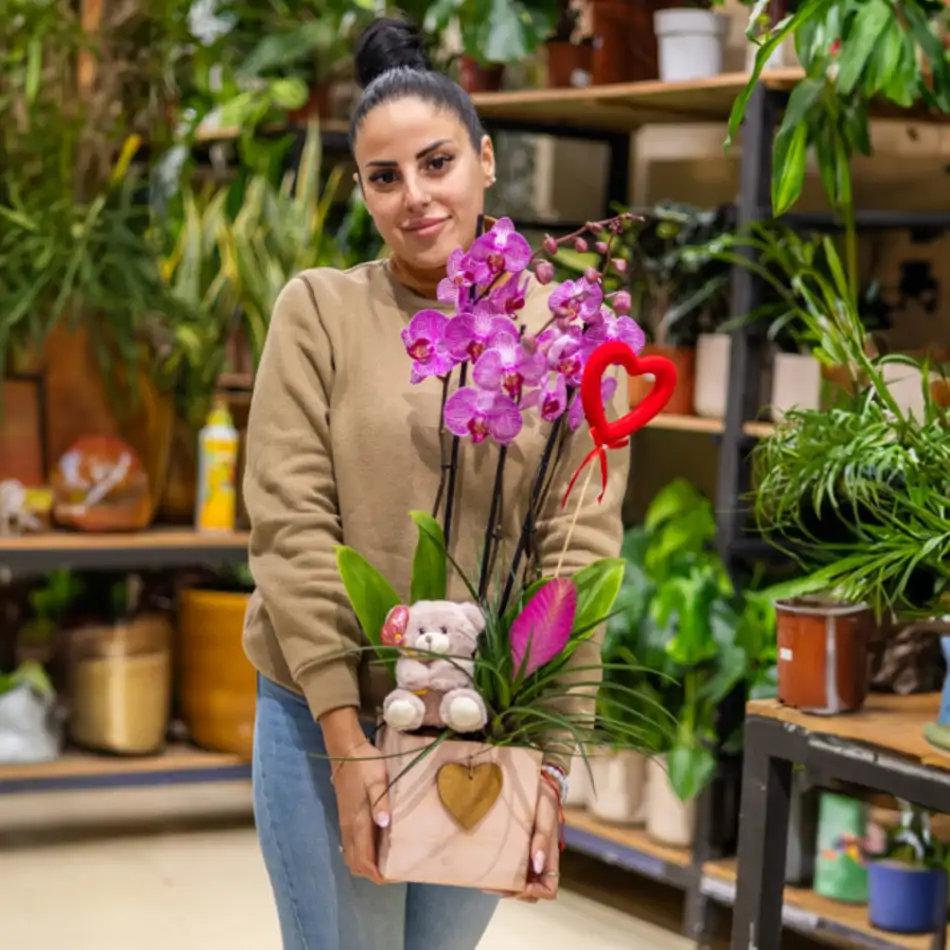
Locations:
{"points": [[425, 227]]}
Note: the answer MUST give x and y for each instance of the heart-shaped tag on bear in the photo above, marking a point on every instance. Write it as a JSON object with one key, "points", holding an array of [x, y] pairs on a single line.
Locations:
{"points": [[469, 792]]}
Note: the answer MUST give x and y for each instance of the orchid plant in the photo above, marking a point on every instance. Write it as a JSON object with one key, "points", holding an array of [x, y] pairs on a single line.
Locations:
{"points": [[534, 624]]}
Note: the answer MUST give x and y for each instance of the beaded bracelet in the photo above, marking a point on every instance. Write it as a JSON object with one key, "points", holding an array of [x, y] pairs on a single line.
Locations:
{"points": [[559, 776]]}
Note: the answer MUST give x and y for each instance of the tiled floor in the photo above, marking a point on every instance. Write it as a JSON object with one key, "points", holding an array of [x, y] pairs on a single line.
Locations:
{"points": [[191, 878]]}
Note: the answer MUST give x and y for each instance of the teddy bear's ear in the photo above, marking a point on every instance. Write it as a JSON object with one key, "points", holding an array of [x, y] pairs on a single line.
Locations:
{"points": [[473, 613]]}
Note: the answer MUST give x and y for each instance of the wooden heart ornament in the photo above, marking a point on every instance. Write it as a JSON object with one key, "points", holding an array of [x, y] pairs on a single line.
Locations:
{"points": [[615, 435], [469, 792]]}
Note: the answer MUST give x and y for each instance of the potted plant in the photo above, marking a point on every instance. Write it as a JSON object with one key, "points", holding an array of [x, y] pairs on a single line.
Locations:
{"points": [[492, 35], [625, 45], [907, 879], [691, 40], [484, 729], [568, 56]]}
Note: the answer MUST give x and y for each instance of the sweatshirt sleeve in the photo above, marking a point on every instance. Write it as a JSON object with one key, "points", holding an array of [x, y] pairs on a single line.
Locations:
{"points": [[598, 533], [291, 497]]}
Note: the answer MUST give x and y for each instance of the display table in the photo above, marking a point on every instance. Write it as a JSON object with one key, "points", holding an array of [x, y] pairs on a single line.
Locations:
{"points": [[881, 748]]}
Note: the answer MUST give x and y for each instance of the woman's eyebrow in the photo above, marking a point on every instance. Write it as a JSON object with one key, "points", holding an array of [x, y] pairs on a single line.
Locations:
{"points": [[426, 151]]}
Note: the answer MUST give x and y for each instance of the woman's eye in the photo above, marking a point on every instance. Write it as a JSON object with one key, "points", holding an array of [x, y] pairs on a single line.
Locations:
{"points": [[440, 162], [383, 178]]}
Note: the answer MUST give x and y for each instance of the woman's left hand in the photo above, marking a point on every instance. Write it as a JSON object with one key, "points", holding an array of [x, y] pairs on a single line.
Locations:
{"points": [[544, 862]]}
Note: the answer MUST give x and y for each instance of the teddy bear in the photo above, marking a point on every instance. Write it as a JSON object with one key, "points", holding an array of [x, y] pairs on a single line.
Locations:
{"points": [[431, 691]]}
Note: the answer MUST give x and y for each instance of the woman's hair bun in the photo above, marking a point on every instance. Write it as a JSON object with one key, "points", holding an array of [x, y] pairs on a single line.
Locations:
{"points": [[388, 43]]}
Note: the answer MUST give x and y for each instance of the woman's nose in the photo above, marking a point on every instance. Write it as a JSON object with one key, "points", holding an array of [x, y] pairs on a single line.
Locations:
{"points": [[416, 196]]}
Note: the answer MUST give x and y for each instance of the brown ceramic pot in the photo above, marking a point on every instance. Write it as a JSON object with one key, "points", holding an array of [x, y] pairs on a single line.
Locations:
{"points": [[480, 77], [625, 47], [684, 359], [22, 452], [564, 58], [823, 654]]}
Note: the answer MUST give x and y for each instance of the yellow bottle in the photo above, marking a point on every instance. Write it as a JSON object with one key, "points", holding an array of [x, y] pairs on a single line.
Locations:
{"points": [[217, 465]]}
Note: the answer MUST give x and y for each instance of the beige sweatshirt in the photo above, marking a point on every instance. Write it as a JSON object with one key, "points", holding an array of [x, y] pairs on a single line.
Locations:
{"points": [[340, 447]]}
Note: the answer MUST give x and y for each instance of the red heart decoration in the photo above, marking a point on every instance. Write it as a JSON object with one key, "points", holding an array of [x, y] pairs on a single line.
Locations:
{"points": [[615, 353], [615, 435]]}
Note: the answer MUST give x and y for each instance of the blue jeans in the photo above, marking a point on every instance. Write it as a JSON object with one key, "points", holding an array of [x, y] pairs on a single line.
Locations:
{"points": [[321, 905]]}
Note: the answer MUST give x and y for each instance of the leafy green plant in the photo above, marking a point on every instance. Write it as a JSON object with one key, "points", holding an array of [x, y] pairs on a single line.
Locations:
{"points": [[496, 31], [683, 637], [854, 52], [912, 842], [30, 674]]}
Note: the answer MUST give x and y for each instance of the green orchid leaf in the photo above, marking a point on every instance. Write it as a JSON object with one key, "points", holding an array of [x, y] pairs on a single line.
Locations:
{"points": [[371, 596], [429, 563]]}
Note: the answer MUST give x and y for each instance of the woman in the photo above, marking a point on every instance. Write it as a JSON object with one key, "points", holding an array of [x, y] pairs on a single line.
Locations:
{"points": [[340, 448]]}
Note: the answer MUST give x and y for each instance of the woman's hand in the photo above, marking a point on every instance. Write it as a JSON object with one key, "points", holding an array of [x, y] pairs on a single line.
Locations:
{"points": [[545, 858], [360, 779]]}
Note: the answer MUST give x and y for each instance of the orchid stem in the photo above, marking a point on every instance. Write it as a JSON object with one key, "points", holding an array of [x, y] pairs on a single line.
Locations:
{"points": [[443, 465], [573, 525], [453, 471], [491, 539]]}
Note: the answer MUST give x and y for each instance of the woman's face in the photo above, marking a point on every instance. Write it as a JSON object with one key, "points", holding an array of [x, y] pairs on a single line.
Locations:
{"points": [[423, 182]]}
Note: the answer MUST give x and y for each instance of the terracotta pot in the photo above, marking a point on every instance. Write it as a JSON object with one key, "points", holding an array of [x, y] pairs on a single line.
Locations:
{"points": [[940, 392], [317, 105], [480, 77], [22, 453], [625, 48], [823, 654], [684, 358], [564, 58], [217, 683]]}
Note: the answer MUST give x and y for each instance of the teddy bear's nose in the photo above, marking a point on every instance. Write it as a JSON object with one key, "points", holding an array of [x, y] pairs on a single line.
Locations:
{"points": [[435, 642]]}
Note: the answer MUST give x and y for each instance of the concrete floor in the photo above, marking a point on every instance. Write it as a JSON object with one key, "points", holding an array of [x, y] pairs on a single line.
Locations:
{"points": [[180, 868]]}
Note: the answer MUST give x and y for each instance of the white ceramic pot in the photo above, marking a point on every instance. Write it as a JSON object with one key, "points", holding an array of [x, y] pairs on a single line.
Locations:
{"points": [[29, 732], [618, 794], [796, 383], [905, 384], [579, 790], [669, 821], [712, 375], [690, 43]]}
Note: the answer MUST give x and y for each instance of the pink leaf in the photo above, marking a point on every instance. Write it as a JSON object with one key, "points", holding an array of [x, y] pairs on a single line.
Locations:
{"points": [[542, 629]]}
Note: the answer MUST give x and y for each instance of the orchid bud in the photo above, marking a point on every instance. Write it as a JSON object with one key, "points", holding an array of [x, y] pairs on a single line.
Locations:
{"points": [[580, 245], [621, 303], [529, 343], [544, 272], [619, 265], [549, 245], [592, 275], [601, 247]]}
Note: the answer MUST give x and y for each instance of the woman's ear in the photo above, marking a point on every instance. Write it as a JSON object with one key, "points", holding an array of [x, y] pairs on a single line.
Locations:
{"points": [[487, 158]]}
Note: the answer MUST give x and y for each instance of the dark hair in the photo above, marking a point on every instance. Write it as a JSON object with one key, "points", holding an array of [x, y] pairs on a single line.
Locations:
{"points": [[392, 64]]}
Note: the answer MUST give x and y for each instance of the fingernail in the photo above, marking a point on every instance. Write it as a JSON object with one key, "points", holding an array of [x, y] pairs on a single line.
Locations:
{"points": [[538, 862], [382, 819]]}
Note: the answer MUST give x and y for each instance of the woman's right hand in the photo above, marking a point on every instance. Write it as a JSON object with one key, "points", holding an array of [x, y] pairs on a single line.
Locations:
{"points": [[361, 780]]}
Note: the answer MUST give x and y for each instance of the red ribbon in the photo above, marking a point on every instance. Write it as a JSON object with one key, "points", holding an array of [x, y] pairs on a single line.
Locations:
{"points": [[616, 435]]}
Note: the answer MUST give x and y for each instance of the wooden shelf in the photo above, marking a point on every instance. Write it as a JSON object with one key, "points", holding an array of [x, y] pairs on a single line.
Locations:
{"points": [[814, 915], [758, 430], [155, 548], [327, 127], [891, 723], [624, 107], [178, 764], [626, 847]]}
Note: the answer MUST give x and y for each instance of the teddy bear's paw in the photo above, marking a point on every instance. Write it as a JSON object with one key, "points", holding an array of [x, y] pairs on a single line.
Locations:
{"points": [[404, 715], [465, 714]]}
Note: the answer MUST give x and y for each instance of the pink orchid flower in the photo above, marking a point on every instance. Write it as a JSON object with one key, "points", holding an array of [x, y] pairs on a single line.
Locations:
{"points": [[506, 366], [479, 413], [565, 352], [424, 340], [502, 249], [462, 273], [577, 299], [624, 329], [551, 399], [469, 334], [509, 298], [576, 415]]}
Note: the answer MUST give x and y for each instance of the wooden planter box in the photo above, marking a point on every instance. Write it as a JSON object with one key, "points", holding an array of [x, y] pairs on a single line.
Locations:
{"points": [[425, 844]]}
